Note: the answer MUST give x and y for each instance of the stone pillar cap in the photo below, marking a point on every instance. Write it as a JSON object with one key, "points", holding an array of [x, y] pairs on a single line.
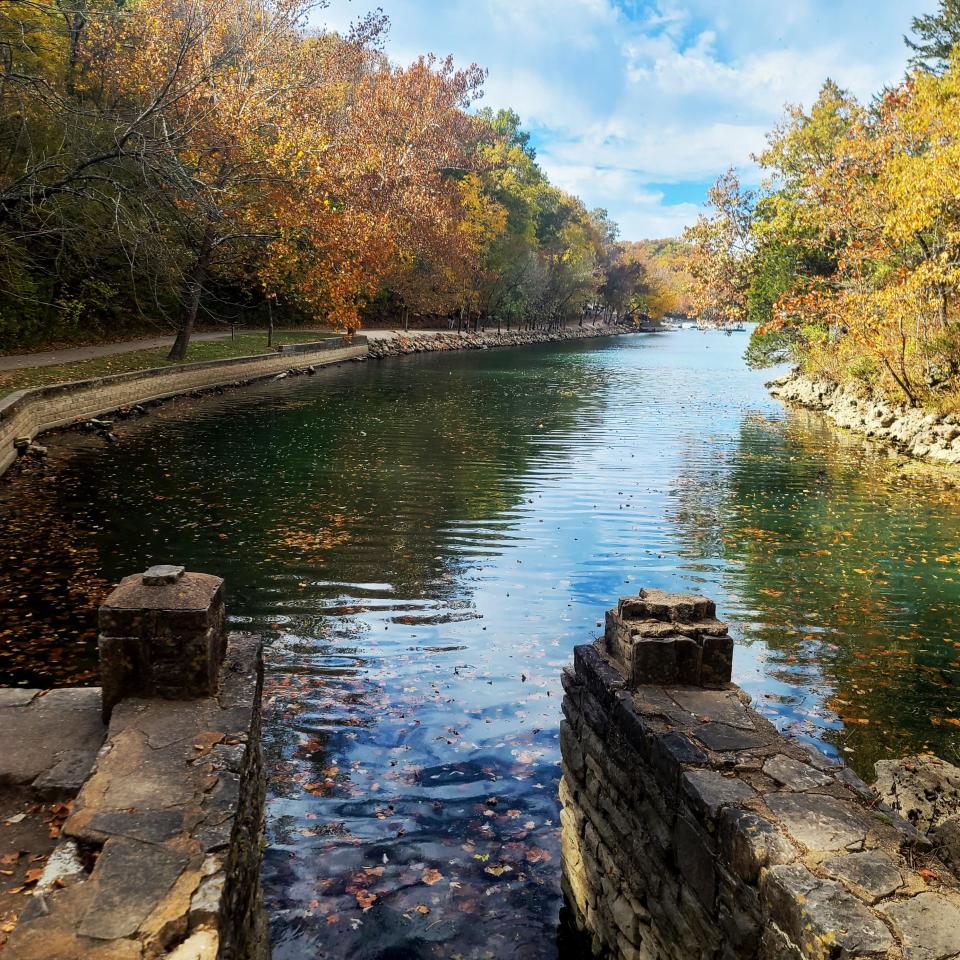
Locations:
{"points": [[147, 591], [162, 573]]}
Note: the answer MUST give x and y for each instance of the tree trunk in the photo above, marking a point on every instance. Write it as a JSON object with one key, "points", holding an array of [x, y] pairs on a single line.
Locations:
{"points": [[460, 321], [194, 291], [269, 323], [406, 318]]}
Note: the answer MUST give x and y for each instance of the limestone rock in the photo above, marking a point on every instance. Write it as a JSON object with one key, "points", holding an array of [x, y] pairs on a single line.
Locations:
{"points": [[710, 791], [819, 822], [923, 790], [871, 872], [929, 926], [821, 917], [794, 774], [946, 841], [751, 843]]}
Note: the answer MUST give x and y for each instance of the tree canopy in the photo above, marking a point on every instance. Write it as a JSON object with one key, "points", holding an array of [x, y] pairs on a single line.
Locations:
{"points": [[848, 255], [934, 36], [166, 162]]}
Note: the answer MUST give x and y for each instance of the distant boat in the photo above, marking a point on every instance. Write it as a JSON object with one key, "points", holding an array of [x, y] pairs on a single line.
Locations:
{"points": [[739, 328]]}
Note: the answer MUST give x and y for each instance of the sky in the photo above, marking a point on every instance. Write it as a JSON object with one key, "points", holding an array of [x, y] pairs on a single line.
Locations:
{"points": [[638, 105]]}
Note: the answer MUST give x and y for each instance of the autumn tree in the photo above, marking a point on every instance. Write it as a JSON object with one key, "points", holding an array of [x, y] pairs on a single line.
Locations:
{"points": [[167, 160], [721, 248]]}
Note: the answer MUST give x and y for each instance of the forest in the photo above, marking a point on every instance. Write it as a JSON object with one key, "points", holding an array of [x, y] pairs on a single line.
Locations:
{"points": [[168, 164], [847, 255]]}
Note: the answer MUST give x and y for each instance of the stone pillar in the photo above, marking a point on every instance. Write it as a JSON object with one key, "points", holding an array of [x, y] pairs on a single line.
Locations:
{"points": [[691, 829], [162, 635], [664, 638]]}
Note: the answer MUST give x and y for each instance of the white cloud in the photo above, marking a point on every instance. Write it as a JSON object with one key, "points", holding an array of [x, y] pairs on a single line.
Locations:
{"points": [[624, 94]]}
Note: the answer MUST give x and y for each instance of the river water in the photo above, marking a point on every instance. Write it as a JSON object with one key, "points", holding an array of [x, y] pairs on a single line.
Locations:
{"points": [[423, 541]]}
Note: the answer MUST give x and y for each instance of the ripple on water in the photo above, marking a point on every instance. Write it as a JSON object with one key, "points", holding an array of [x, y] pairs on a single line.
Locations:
{"points": [[424, 541]]}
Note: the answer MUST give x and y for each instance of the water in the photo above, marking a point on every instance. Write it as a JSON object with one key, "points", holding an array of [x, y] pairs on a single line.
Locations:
{"points": [[423, 542]]}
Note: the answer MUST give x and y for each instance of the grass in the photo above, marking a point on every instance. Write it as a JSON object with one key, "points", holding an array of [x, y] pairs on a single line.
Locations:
{"points": [[243, 345]]}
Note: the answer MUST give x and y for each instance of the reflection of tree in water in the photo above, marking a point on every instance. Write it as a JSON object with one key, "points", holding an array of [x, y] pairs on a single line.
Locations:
{"points": [[353, 479], [347, 514], [847, 569], [51, 585]]}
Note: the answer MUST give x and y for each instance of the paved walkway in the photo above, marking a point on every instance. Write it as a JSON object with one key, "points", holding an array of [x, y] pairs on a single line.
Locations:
{"points": [[51, 358]]}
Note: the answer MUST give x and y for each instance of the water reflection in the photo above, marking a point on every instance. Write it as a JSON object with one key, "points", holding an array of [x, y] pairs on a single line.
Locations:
{"points": [[423, 542], [844, 581]]}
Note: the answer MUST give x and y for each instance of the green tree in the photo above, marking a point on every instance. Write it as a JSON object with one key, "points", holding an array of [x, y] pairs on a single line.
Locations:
{"points": [[935, 36]]}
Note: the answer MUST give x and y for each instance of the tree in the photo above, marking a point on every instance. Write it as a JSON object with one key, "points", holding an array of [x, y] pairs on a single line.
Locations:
{"points": [[721, 250], [176, 159], [937, 34]]}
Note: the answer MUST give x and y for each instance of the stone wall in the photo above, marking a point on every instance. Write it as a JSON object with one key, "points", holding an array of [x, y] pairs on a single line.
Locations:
{"points": [[692, 830], [160, 854], [25, 414], [439, 341], [28, 413], [914, 432]]}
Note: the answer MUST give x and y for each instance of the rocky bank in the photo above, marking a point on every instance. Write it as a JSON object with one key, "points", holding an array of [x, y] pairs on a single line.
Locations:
{"points": [[429, 341], [912, 431]]}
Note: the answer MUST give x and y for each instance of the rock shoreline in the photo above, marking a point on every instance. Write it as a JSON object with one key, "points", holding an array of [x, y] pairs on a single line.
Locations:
{"points": [[691, 827], [439, 341], [911, 431], [26, 415]]}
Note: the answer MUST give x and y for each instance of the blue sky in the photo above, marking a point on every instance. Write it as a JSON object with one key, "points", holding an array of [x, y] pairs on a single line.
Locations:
{"points": [[637, 105]]}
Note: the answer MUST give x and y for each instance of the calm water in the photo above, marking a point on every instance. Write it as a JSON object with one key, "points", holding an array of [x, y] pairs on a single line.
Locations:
{"points": [[423, 542]]}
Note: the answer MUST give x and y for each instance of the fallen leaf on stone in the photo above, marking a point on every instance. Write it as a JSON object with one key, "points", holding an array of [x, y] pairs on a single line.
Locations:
{"points": [[365, 899], [207, 741], [431, 876], [499, 870], [420, 908]]}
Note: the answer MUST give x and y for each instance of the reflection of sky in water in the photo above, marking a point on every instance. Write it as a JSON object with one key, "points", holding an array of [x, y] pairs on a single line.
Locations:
{"points": [[426, 540]]}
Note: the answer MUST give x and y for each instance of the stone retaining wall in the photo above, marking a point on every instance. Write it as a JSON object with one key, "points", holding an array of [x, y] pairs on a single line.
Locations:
{"points": [[28, 413], [25, 414], [321, 345], [692, 830], [160, 854], [914, 432], [439, 341]]}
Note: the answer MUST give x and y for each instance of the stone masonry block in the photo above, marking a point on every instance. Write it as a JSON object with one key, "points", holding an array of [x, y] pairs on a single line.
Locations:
{"points": [[708, 791], [750, 843], [162, 635], [660, 605], [694, 854], [689, 656], [667, 638], [815, 913], [929, 926], [717, 666], [655, 661]]}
